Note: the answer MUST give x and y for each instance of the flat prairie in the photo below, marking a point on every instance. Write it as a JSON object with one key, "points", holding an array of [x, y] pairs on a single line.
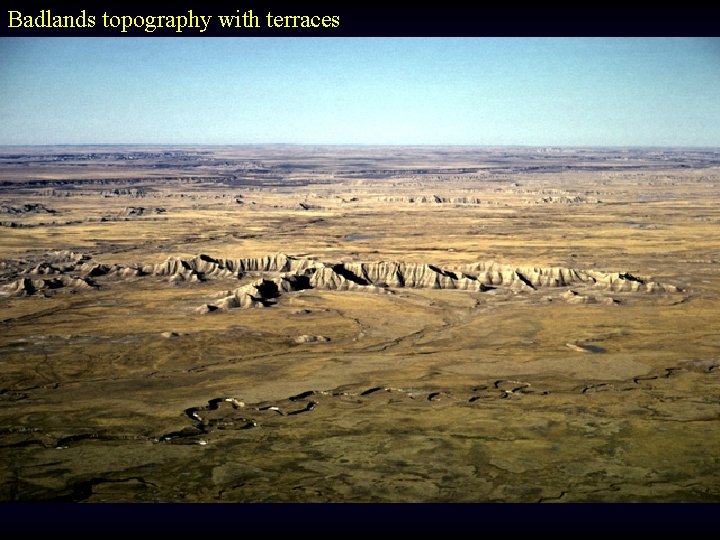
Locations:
{"points": [[387, 324]]}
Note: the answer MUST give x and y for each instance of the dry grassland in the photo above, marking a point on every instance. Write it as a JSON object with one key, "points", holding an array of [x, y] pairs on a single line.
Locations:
{"points": [[125, 391]]}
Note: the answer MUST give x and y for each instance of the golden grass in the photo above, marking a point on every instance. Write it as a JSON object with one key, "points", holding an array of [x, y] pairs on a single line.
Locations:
{"points": [[603, 426]]}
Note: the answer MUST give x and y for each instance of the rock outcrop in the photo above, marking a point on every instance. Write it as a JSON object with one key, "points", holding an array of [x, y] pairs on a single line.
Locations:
{"points": [[128, 192], [311, 339], [383, 276], [28, 208], [264, 292], [430, 199], [58, 271], [574, 297], [494, 274], [204, 267], [280, 274], [28, 287], [565, 199]]}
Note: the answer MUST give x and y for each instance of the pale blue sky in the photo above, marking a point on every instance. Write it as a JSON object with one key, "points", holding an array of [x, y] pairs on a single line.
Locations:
{"points": [[483, 91]]}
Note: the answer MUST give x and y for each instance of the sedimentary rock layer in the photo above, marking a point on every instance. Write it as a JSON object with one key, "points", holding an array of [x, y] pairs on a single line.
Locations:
{"points": [[280, 273]]}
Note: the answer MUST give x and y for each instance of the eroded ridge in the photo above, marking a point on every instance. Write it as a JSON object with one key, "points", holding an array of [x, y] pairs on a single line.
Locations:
{"points": [[279, 274], [382, 277]]}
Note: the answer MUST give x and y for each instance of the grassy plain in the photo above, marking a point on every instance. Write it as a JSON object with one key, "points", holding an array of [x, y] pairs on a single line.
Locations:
{"points": [[422, 395]]}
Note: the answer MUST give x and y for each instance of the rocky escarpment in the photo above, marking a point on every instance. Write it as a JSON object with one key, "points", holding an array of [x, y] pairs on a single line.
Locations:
{"points": [[126, 192], [382, 277], [59, 271], [494, 274], [71, 270], [566, 199], [28, 208], [28, 287], [280, 274], [141, 210], [430, 199], [204, 267], [264, 292]]}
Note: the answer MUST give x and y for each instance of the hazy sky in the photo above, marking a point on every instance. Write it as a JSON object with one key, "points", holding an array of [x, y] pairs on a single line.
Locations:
{"points": [[499, 91]]}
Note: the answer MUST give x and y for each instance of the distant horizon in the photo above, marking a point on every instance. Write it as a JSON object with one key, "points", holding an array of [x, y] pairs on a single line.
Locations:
{"points": [[498, 92], [374, 145]]}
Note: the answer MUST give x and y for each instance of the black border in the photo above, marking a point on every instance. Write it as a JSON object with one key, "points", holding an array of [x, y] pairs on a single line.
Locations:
{"points": [[355, 520], [377, 20]]}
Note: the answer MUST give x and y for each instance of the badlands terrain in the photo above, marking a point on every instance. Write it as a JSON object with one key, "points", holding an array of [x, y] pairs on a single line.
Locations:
{"points": [[288, 323]]}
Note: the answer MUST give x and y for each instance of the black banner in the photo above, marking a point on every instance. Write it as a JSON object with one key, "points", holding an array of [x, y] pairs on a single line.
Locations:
{"points": [[343, 20]]}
